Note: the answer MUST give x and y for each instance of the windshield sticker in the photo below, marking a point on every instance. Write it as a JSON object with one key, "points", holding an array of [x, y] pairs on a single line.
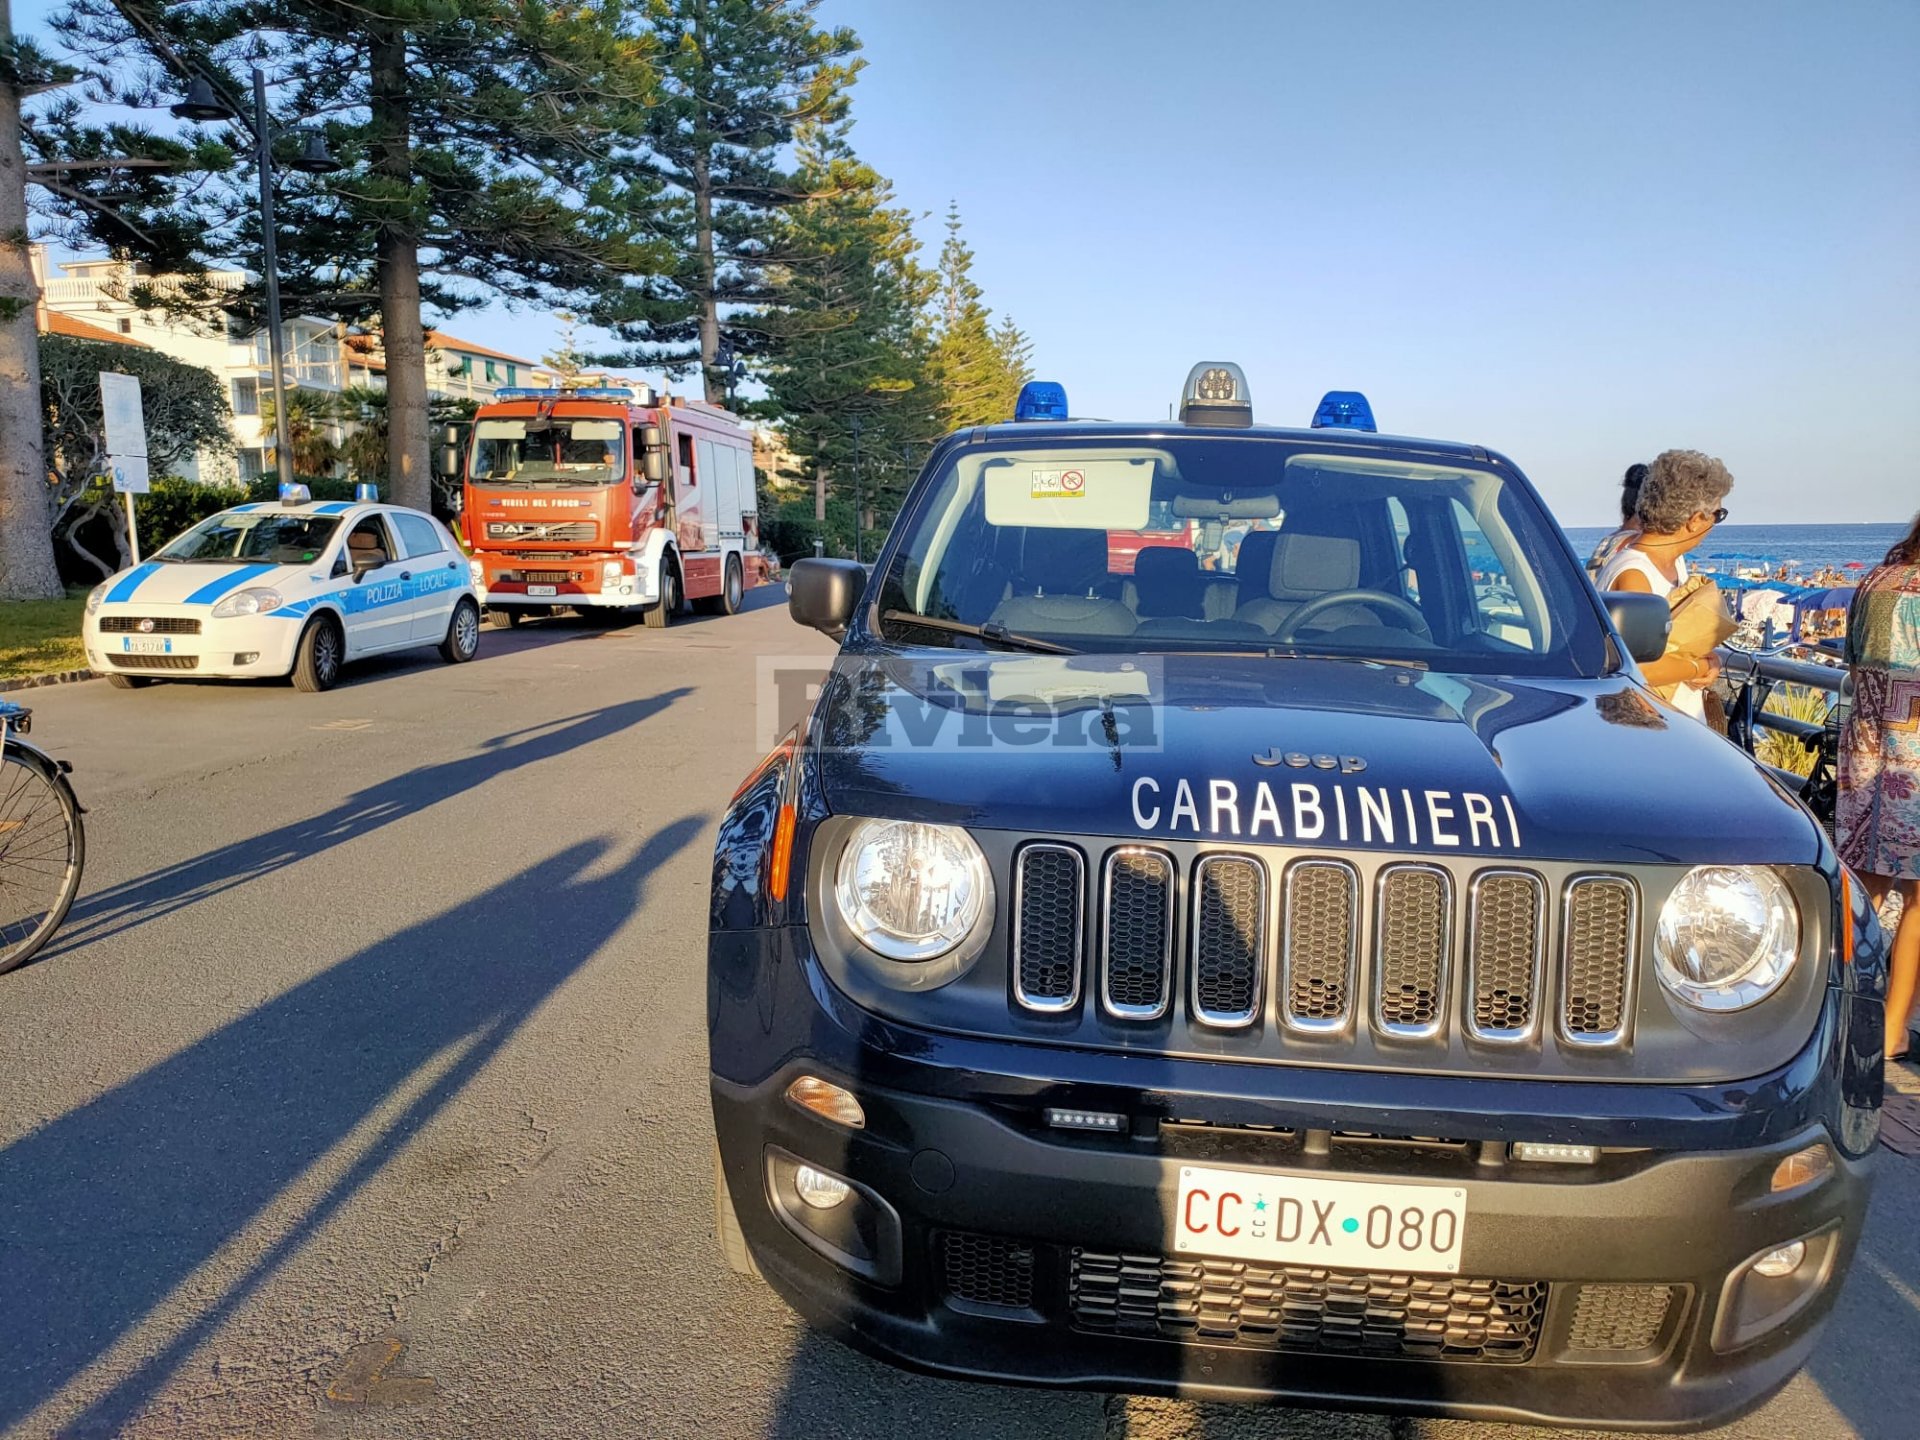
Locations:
{"points": [[1307, 811], [1059, 484]]}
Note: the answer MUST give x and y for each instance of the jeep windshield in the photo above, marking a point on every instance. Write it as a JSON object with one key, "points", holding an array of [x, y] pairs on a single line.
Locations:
{"points": [[259, 536], [1241, 544], [556, 453]]}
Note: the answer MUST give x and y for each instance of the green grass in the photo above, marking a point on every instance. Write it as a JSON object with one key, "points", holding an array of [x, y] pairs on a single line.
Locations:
{"points": [[41, 636]]}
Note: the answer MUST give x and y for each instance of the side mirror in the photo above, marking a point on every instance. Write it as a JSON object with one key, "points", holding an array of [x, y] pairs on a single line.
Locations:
{"points": [[653, 454], [447, 461], [823, 594], [1642, 620]]}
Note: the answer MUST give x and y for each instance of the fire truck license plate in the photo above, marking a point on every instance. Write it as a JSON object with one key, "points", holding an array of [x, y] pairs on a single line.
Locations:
{"points": [[541, 590], [1349, 1224]]}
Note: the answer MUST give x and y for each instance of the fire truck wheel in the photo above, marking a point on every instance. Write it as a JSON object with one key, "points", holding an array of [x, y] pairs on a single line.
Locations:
{"points": [[512, 617], [659, 615], [726, 1225], [463, 634], [734, 589], [316, 664]]}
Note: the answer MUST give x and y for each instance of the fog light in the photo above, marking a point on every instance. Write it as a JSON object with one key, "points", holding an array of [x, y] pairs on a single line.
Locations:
{"points": [[1774, 1264], [1803, 1167], [828, 1101], [819, 1189], [1540, 1150], [246, 657]]}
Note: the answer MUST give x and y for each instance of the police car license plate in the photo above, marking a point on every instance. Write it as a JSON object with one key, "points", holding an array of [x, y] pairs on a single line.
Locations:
{"points": [[1347, 1224], [541, 590], [145, 645]]}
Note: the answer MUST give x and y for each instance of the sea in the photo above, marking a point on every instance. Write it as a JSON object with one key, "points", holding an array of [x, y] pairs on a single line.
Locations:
{"points": [[1808, 548]]}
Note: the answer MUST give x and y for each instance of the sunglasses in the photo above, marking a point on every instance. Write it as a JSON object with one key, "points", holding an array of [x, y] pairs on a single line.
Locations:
{"points": [[1719, 517]]}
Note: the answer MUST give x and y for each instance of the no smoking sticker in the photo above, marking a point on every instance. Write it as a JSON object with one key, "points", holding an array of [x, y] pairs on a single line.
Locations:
{"points": [[1058, 484]]}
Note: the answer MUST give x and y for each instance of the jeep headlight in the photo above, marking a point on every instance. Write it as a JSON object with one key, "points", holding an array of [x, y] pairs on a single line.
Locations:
{"points": [[254, 600], [911, 891], [96, 595], [1728, 936]]}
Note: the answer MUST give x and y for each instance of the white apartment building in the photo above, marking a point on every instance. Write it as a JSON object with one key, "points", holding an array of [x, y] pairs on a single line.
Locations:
{"points": [[321, 354]]}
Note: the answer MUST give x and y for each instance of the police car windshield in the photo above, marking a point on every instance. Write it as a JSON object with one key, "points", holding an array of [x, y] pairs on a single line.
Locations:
{"points": [[1243, 544], [551, 454], [259, 536]]}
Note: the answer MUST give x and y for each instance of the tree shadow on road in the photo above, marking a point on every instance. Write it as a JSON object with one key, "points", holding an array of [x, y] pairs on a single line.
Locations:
{"points": [[109, 1210], [162, 892]]}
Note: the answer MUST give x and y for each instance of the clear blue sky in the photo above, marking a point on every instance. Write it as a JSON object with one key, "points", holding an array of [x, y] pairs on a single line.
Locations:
{"points": [[1576, 235]]}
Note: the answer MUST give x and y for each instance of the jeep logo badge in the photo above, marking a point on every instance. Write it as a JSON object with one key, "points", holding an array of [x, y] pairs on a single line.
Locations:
{"points": [[1299, 760]]}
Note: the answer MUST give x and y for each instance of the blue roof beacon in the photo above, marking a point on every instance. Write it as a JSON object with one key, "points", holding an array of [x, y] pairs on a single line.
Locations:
{"points": [[1344, 410], [293, 493], [366, 490], [1041, 400]]}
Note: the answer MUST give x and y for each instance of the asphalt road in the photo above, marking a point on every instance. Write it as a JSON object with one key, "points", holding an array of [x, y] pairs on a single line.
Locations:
{"points": [[364, 1095]]}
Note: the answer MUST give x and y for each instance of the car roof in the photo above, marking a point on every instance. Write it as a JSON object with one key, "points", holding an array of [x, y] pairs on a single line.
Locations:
{"points": [[326, 507], [1328, 437]]}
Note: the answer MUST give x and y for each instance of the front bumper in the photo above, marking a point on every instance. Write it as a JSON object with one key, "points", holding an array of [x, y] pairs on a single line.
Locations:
{"points": [[214, 651], [1600, 1295], [502, 584]]}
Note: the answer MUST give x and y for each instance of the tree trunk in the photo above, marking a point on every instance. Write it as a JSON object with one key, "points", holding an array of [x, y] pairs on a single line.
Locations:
{"points": [[716, 386], [820, 494], [27, 569], [397, 265]]}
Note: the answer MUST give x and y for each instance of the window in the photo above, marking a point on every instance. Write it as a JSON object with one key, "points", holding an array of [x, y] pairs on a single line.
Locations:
{"points": [[510, 379], [492, 371], [686, 457], [246, 397], [1496, 606], [253, 464], [126, 326], [418, 535], [368, 546], [270, 535]]}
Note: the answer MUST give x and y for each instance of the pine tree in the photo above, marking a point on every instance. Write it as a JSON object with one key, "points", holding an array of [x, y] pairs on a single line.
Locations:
{"points": [[738, 80], [474, 136], [845, 334], [977, 370]]}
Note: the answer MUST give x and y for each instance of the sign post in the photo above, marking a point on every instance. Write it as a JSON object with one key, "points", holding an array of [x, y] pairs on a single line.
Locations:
{"points": [[126, 437]]}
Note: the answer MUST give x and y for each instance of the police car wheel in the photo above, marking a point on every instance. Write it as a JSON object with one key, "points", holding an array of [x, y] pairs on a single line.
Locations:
{"points": [[129, 682], [726, 1225], [659, 615], [316, 665], [463, 634]]}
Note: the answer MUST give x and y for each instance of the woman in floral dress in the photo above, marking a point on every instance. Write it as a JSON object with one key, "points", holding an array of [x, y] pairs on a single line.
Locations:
{"points": [[1878, 818]]}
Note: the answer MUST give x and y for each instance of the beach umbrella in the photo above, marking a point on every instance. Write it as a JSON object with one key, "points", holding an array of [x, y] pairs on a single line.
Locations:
{"points": [[1855, 565]]}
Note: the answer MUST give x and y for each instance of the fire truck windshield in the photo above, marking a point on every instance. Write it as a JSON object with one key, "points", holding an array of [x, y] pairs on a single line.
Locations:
{"points": [[555, 453]]}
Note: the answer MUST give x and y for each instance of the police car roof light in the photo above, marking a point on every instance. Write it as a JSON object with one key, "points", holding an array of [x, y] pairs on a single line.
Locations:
{"points": [[294, 494], [366, 490], [1344, 410], [1041, 400], [1216, 394], [585, 392]]}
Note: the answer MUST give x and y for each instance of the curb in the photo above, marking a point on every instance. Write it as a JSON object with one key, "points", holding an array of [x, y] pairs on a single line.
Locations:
{"points": [[56, 677]]}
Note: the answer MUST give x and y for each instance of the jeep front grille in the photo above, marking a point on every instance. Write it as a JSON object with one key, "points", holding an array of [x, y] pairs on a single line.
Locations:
{"points": [[1453, 950]]}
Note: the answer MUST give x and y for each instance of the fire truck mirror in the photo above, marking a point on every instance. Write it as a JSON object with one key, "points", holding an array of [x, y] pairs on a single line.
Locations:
{"points": [[653, 463], [447, 460]]}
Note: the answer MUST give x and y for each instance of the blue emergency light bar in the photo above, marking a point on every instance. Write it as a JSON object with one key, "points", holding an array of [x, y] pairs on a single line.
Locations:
{"points": [[586, 392], [1041, 400], [1344, 410], [294, 494], [366, 490]]}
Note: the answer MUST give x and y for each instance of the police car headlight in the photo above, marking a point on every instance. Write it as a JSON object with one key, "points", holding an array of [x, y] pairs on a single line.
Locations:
{"points": [[1728, 936], [96, 595], [911, 891], [254, 600]]}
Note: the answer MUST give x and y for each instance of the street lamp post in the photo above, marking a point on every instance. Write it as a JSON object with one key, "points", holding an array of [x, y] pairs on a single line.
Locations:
{"points": [[203, 102]]}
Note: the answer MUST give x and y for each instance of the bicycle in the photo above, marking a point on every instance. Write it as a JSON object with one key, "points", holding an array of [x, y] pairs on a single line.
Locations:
{"points": [[43, 843]]}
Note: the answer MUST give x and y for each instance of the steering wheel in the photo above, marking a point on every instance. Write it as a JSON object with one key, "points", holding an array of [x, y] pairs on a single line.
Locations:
{"points": [[1295, 622]]}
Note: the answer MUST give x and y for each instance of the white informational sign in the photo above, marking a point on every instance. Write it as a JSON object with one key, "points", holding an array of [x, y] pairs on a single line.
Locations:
{"points": [[120, 404], [129, 473]]}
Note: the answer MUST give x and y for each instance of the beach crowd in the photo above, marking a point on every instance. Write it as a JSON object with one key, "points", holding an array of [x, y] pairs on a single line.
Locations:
{"points": [[1667, 508]]}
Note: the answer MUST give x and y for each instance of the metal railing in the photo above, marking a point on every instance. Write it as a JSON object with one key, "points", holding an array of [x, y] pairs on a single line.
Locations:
{"points": [[1755, 675]]}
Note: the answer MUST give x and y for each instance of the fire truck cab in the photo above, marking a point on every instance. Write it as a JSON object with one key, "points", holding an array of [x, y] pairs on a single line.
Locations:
{"points": [[609, 499]]}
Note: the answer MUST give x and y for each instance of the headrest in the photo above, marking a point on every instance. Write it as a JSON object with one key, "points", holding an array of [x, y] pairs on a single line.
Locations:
{"points": [[1167, 580], [1255, 558], [363, 540], [1062, 561], [1307, 564]]}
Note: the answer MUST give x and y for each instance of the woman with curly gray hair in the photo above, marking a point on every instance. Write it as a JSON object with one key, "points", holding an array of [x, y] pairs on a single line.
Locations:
{"points": [[1680, 503]]}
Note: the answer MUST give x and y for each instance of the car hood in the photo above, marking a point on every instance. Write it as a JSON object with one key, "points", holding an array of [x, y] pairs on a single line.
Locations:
{"points": [[157, 583], [1326, 754]]}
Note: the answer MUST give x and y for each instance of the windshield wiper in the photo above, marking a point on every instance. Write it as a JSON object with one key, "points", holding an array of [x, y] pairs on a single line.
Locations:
{"points": [[991, 633], [1281, 652]]}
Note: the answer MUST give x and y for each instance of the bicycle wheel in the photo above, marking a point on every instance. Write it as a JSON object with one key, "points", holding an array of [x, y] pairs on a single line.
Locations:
{"points": [[42, 851]]}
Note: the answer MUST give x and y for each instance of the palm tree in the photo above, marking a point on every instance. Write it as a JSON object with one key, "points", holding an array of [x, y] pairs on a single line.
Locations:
{"points": [[313, 422]]}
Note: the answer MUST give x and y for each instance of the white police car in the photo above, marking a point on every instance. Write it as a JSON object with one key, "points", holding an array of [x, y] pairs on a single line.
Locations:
{"points": [[289, 588]]}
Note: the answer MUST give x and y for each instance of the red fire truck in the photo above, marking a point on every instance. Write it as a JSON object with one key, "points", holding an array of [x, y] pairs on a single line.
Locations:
{"points": [[610, 499]]}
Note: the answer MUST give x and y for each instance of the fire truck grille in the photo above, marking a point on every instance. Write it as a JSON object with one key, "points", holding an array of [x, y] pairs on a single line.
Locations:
{"points": [[154, 625], [1229, 939], [1139, 933], [559, 532], [1046, 943], [1297, 1307], [1412, 937], [1598, 959]]}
